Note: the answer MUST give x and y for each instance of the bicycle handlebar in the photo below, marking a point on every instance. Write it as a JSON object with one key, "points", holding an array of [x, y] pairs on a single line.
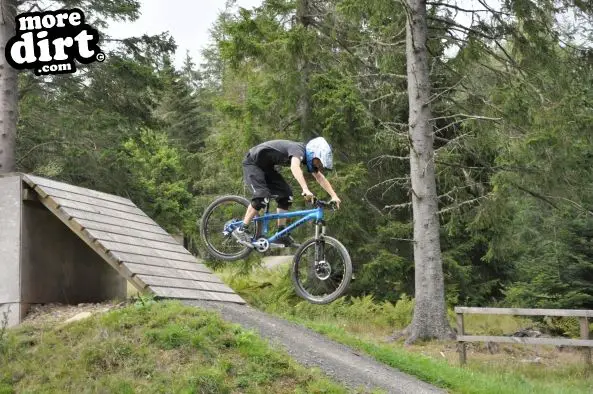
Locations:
{"points": [[323, 204]]}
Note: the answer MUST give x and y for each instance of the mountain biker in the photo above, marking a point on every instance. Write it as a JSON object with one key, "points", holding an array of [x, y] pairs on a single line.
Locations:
{"points": [[264, 181]]}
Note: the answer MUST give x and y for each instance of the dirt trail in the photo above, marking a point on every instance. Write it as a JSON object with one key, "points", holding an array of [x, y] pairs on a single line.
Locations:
{"points": [[339, 362]]}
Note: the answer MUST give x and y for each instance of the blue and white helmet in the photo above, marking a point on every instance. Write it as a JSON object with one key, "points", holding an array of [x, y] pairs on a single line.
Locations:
{"points": [[318, 148]]}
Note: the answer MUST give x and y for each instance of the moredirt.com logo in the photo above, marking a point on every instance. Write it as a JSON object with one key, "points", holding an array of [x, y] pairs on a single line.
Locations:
{"points": [[49, 42]]}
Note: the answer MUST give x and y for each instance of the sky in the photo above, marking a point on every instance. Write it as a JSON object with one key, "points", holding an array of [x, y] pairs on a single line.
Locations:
{"points": [[188, 21]]}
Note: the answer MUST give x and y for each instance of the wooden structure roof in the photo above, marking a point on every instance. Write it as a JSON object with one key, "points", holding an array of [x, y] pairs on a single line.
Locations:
{"points": [[131, 242]]}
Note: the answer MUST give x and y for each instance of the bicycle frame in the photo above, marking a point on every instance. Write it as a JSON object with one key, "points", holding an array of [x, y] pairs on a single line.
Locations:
{"points": [[319, 280], [307, 216]]}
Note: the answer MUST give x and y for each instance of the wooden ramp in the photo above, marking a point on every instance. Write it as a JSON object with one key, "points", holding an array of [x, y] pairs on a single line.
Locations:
{"points": [[131, 242]]}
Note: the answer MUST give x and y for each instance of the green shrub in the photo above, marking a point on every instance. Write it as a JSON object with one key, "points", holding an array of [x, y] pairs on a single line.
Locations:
{"points": [[565, 326], [399, 315]]}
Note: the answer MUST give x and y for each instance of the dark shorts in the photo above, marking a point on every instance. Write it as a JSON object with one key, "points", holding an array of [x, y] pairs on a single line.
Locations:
{"points": [[264, 182]]}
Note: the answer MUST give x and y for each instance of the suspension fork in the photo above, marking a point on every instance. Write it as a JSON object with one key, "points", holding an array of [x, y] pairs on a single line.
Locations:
{"points": [[319, 242]]}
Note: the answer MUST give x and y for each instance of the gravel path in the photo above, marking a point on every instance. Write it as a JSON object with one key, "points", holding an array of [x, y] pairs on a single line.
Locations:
{"points": [[274, 261], [339, 362]]}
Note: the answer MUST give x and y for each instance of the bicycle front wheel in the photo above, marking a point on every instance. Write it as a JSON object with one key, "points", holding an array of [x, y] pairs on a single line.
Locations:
{"points": [[321, 270]]}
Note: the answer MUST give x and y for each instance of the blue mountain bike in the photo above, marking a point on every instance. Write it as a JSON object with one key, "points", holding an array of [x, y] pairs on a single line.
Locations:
{"points": [[321, 268]]}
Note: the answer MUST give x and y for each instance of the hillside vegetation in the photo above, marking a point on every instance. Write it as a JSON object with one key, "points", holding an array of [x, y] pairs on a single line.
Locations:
{"points": [[149, 347], [372, 327]]}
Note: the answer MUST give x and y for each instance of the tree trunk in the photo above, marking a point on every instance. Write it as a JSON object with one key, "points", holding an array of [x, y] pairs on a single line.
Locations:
{"points": [[430, 317], [304, 104], [8, 90]]}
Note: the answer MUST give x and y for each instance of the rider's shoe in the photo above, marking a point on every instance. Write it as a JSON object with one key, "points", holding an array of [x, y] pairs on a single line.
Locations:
{"points": [[228, 227], [243, 236]]}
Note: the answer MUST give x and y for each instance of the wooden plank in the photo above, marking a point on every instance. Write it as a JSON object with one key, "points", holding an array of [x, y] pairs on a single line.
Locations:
{"points": [[140, 218], [526, 312], [113, 229], [148, 251], [89, 200], [140, 269], [527, 341], [77, 214], [461, 332], [585, 335], [160, 262], [184, 284], [131, 276], [196, 295], [232, 298], [130, 240], [34, 180], [30, 195]]}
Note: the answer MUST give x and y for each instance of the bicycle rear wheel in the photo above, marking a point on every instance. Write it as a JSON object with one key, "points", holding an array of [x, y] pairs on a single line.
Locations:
{"points": [[220, 211], [321, 270]]}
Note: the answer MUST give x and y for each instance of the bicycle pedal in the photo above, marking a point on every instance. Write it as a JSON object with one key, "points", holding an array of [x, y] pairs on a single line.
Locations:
{"points": [[248, 244]]}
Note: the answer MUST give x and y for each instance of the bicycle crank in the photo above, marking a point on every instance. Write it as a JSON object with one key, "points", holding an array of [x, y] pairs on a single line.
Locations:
{"points": [[262, 245]]}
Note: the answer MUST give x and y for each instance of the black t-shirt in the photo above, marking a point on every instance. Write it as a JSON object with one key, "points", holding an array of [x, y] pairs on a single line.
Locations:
{"points": [[277, 152]]}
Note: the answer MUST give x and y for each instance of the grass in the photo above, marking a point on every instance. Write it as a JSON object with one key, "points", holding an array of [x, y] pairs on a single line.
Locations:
{"points": [[150, 347], [480, 377], [372, 327]]}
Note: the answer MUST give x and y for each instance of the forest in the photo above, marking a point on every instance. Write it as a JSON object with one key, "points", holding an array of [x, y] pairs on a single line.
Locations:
{"points": [[511, 115]]}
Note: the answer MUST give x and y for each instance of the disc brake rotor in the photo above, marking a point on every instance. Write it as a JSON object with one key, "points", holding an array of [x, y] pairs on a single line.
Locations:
{"points": [[323, 270]]}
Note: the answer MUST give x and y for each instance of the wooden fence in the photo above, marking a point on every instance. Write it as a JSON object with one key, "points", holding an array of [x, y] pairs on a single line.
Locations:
{"points": [[583, 316]]}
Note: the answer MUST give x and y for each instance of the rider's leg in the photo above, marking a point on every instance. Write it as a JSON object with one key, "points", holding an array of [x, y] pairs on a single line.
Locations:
{"points": [[284, 204], [255, 179], [278, 186], [256, 205], [249, 215], [281, 188], [241, 233]]}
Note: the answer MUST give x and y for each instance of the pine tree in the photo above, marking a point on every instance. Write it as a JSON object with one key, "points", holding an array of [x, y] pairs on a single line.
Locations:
{"points": [[430, 312], [8, 90]]}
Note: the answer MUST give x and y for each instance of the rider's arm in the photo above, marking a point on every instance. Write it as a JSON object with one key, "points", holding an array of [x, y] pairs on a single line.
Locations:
{"points": [[325, 185], [295, 167]]}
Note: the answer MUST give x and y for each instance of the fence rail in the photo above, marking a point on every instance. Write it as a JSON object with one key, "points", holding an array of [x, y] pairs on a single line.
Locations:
{"points": [[583, 316]]}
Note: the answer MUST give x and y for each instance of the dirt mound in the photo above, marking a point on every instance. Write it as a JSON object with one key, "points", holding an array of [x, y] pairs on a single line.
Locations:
{"points": [[55, 313]]}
